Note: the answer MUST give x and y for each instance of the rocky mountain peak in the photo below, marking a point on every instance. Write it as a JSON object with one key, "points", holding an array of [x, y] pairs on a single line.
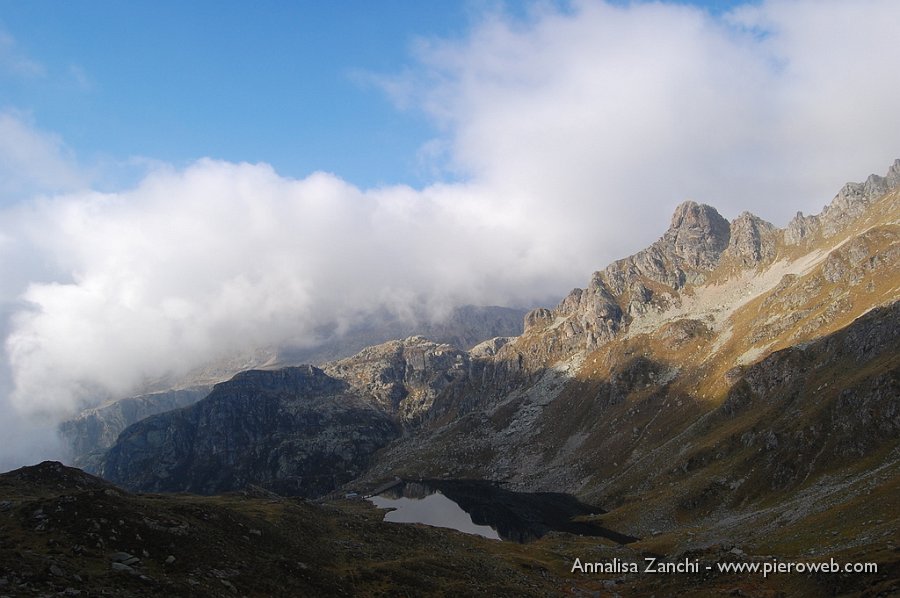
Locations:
{"points": [[698, 241], [698, 234], [849, 204], [690, 248], [690, 214], [752, 239], [893, 175], [800, 228]]}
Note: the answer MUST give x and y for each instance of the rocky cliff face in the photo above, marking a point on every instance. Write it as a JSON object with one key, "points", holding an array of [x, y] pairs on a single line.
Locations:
{"points": [[849, 204], [293, 430], [403, 378], [700, 251], [698, 240], [93, 431], [301, 430], [752, 241]]}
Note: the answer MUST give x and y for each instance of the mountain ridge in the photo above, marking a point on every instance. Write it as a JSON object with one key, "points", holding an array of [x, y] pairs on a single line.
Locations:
{"points": [[678, 287], [730, 385], [92, 431]]}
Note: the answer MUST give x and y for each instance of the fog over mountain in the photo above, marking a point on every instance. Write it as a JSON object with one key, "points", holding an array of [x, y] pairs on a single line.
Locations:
{"points": [[568, 136]]}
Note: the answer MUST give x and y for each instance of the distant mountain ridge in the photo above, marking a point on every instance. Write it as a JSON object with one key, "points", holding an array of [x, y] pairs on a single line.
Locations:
{"points": [[94, 430], [294, 430]]}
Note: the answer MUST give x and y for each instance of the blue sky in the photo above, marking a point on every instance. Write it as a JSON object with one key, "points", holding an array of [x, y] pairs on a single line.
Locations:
{"points": [[282, 82]]}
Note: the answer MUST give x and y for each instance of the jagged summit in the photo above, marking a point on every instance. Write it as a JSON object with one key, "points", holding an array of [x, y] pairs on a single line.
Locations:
{"points": [[698, 234], [849, 204], [752, 240], [893, 175], [698, 244], [696, 238], [693, 245]]}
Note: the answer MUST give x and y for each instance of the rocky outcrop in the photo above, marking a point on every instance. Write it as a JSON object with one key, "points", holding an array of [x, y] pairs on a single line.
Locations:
{"points": [[752, 240], [403, 378], [490, 347], [538, 318], [801, 227], [296, 431], [698, 235], [690, 247], [892, 179], [94, 430], [848, 205], [853, 199], [627, 289], [593, 312]]}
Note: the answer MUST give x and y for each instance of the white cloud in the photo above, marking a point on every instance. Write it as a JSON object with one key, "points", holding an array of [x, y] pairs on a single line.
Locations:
{"points": [[33, 161], [575, 132], [601, 118], [222, 257]]}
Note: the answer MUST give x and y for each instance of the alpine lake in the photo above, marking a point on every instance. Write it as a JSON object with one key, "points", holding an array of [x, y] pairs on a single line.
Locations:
{"points": [[486, 509]]}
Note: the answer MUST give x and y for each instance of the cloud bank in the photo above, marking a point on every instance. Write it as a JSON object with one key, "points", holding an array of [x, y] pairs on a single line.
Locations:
{"points": [[571, 135], [770, 107], [220, 257]]}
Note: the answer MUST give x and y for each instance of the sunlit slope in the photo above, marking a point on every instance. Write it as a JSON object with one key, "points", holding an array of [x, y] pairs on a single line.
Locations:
{"points": [[709, 382]]}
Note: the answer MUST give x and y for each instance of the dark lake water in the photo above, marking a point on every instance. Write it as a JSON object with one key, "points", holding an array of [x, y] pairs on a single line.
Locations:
{"points": [[486, 509]]}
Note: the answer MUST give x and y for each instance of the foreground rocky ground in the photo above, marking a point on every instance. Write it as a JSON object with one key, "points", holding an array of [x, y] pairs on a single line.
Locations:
{"points": [[66, 533]]}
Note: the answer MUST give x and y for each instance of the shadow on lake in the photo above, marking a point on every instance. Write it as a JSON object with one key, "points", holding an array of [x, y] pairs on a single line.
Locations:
{"points": [[486, 509]]}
